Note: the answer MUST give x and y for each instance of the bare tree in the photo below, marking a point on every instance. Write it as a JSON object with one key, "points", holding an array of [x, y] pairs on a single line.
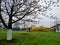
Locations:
{"points": [[15, 8], [11, 9]]}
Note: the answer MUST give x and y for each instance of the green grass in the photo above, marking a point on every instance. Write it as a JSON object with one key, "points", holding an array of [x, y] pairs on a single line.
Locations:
{"points": [[33, 38]]}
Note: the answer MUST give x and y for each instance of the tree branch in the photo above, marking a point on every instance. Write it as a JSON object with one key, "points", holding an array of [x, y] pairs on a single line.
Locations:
{"points": [[17, 10], [6, 8], [1, 17], [19, 19], [3, 21]]}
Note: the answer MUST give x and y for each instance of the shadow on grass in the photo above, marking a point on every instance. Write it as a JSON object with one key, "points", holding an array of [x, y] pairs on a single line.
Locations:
{"points": [[4, 41]]}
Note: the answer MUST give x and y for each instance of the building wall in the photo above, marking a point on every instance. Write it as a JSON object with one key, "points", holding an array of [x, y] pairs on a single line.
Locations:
{"points": [[59, 27]]}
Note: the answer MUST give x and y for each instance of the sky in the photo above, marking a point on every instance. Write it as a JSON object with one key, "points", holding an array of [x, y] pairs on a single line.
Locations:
{"points": [[55, 11], [47, 21]]}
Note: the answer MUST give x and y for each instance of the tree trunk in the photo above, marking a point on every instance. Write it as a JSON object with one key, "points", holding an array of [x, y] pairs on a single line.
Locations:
{"points": [[9, 31], [9, 34]]}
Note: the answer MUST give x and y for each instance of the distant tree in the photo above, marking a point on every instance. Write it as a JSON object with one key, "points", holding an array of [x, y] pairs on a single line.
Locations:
{"points": [[12, 11]]}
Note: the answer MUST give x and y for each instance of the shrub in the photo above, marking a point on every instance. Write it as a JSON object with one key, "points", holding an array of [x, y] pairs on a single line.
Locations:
{"points": [[41, 28], [34, 28]]}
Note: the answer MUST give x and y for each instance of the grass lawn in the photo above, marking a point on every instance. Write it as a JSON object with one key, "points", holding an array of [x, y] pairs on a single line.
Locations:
{"points": [[33, 38]]}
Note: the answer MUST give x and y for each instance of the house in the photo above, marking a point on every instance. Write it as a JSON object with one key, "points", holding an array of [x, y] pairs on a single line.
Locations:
{"points": [[56, 27], [53, 28]]}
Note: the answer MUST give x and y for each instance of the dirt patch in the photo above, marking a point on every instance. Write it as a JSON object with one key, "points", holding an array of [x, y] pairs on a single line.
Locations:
{"points": [[4, 41], [24, 33]]}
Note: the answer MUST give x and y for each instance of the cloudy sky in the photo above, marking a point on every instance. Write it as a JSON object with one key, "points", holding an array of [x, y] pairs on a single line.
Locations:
{"points": [[47, 21]]}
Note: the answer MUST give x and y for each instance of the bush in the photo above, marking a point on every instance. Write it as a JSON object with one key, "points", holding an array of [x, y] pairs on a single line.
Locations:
{"points": [[34, 28], [41, 28]]}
